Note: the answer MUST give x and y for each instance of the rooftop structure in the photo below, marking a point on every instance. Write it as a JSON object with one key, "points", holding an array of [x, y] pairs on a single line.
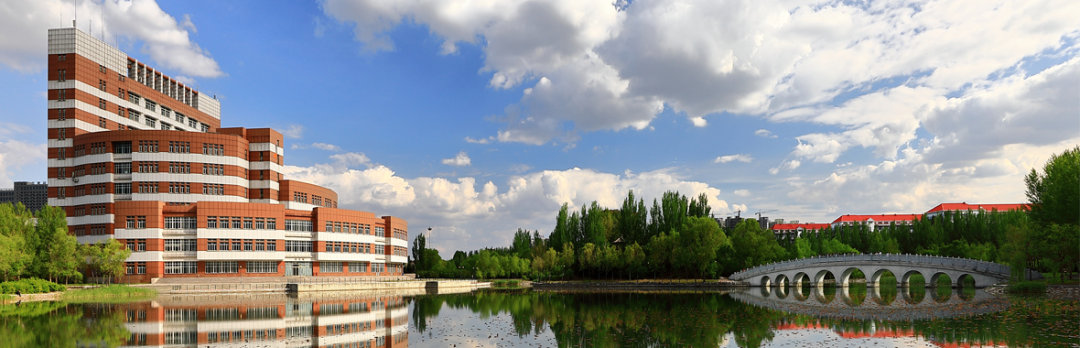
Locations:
{"points": [[33, 195]]}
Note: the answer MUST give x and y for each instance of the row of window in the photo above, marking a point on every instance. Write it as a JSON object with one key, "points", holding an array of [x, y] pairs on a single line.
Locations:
{"points": [[298, 225], [401, 234], [352, 228], [181, 222], [89, 230], [181, 245], [218, 267], [241, 245], [245, 223], [356, 248]]}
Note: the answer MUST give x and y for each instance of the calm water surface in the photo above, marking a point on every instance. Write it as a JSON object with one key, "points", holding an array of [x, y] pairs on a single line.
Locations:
{"points": [[807, 317]]}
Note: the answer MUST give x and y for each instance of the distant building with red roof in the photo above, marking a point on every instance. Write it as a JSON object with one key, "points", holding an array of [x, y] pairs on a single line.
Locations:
{"points": [[797, 229], [874, 221], [940, 209]]}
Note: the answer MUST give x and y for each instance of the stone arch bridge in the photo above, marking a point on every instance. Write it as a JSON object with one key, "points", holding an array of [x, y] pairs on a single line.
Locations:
{"points": [[814, 270]]}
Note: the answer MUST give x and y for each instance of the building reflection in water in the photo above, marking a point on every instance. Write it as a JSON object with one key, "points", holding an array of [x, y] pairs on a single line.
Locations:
{"points": [[270, 321]]}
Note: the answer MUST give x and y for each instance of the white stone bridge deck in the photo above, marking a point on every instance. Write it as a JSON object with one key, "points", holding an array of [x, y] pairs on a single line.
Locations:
{"points": [[902, 266]]}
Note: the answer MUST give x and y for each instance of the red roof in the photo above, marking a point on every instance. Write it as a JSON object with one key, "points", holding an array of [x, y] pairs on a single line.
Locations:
{"points": [[881, 217], [976, 207], [805, 227]]}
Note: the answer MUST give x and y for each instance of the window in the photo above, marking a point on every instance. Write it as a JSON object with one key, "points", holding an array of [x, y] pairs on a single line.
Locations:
{"points": [[330, 267], [262, 267], [133, 98], [150, 121], [122, 188], [358, 267], [180, 244], [180, 222], [260, 245], [236, 245], [379, 249], [141, 245], [193, 123], [236, 223], [165, 126], [61, 75], [216, 189], [260, 223], [166, 111], [148, 167], [101, 104], [298, 246], [122, 147], [379, 231], [298, 225], [180, 267], [122, 168], [61, 115], [211, 245], [222, 267], [180, 147], [179, 117], [378, 267], [214, 149], [101, 85], [152, 106], [179, 167]]}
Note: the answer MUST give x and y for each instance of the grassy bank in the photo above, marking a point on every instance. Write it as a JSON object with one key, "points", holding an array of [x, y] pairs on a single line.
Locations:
{"points": [[111, 293]]}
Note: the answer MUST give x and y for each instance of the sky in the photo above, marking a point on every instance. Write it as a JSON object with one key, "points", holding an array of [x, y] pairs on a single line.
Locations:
{"points": [[476, 118]]}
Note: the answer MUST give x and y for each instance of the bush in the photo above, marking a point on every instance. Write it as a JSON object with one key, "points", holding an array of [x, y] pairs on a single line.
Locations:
{"points": [[30, 286], [1026, 288]]}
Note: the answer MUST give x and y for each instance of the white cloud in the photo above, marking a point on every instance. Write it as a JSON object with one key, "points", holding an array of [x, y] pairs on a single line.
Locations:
{"points": [[462, 159], [479, 141], [741, 193], [592, 65], [16, 155], [293, 131], [764, 133], [350, 159], [165, 40], [729, 158], [699, 121], [325, 146], [467, 215]]}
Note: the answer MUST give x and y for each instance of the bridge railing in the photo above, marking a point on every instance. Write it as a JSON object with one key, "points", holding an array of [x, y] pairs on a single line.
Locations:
{"points": [[951, 262]]}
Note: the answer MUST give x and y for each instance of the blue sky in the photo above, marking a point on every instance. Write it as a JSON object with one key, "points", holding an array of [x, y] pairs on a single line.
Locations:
{"points": [[476, 118]]}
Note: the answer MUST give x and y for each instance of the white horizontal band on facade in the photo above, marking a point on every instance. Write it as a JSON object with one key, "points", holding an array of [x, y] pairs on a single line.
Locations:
{"points": [[148, 327], [259, 147], [300, 206], [399, 242], [265, 201], [348, 237], [56, 144], [264, 184], [138, 233], [146, 256], [185, 197], [90, 219], [399, 259], [185, 178], [266, 165], [89, 199]]}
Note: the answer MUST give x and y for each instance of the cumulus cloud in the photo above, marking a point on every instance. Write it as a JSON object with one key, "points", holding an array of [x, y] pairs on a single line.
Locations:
{"points": [[479, 141], [764, 133], [738, 157], [594, 65], [467, 214], [293, 131], [462, 159], [163, 38], [15, 156], [741, 193], [320, 146]]}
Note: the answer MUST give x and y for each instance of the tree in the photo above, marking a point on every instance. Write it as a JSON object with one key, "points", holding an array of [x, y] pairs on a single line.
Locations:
{"points": [[522, 244], [700, 207], [16, 225], [755, 246], [418, 247], [633, 256], [633, 220], [108, 257], [51, 232], [1054, 195], [561, 234], [699, 239]]}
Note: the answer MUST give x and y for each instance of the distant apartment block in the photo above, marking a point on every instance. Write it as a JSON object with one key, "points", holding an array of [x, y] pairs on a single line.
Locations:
{"points": [[33, 195]]}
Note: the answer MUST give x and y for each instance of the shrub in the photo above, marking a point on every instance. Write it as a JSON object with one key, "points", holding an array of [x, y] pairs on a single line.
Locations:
{"points": [[30, 286], [1026, 288]]}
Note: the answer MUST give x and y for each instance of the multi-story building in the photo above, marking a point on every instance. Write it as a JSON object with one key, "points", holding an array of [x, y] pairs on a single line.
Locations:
{"points": [[794, 230], [940, 209], [137, 156], [875, 221], [33, 195]]}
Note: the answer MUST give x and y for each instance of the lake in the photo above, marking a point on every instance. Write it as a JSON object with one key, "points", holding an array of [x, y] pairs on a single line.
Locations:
{"points": [[756, 317]]}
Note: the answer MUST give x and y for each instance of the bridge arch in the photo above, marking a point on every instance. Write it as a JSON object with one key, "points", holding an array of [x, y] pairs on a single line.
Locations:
{"points": [[845, 276], [781, 280], [765, 282], [798, 279], [905, 280], [960, 280], [819, 278], [936, 277], [875, 279]]}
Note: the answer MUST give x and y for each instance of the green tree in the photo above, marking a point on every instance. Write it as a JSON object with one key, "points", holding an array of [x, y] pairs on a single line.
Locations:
{"points": [[633, 220], [633, 257], [561, 234], [51, 233], [699, 239], [108, 257], [699, 207], [522, 244], [418, 247], [1054, 195], [16, 225], [755, 246]]}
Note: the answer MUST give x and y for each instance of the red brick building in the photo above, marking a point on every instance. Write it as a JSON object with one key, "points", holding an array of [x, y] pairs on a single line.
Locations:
{"points": [[138, 156]]}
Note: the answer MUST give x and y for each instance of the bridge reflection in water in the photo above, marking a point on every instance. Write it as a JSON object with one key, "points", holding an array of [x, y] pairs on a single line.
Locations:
{"points": [[350, 321], [874, 303]]}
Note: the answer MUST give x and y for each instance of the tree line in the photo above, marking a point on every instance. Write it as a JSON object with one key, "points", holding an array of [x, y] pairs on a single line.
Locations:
{"points": [[676, 237], [40, 247]]}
